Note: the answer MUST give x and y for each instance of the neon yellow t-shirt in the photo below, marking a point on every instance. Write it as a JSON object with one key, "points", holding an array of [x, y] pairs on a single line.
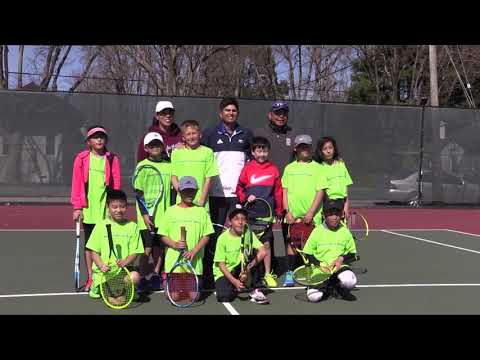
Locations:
{"points": [[303, 181], [199, 163], [126, 241], [197, 225], [338, 179], [96, 195], [228, 251], [327, 245], [165, 169]]}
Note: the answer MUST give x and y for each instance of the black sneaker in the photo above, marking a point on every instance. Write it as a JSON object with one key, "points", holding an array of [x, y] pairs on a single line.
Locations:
{"points": [[156, 283], [344, 294]]}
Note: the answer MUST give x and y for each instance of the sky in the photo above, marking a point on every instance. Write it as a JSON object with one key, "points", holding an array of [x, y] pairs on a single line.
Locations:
{"points": [[72, 66]]}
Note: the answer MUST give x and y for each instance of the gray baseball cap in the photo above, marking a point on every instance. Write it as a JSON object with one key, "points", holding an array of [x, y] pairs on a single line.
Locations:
{"points": [[188, 182], [303, 139]]}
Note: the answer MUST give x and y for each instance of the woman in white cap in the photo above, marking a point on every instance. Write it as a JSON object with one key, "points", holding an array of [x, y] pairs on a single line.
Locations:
{"points": [[163, 123]]}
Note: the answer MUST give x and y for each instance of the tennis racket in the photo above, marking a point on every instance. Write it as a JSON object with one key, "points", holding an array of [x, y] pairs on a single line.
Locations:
{"points": [[260, 216], [358, 225], [149, 188], [116, 285], [246, 250], [76, 268], [310, 275], [183, 287], [298, 233]]}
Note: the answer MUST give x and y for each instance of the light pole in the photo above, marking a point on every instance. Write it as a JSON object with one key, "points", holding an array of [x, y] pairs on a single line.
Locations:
{"points": [[418, 203]]}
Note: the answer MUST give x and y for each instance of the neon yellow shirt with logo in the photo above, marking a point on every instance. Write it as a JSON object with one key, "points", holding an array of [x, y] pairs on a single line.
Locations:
{"points": [[197, 224], [228, 251], [96, 195], [338, 179], [303, 180], [165, 169], [327, 245], [126, 241], [199, 163]]}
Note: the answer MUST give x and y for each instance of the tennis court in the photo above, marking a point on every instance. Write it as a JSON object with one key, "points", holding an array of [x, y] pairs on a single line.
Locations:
{"points": [[410, 271]]}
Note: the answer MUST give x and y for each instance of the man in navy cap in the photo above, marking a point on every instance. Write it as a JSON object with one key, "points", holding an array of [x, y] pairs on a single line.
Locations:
{"points": [[281, 137]]}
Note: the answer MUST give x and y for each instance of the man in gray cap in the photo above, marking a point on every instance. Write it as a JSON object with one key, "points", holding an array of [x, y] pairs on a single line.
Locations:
{"points": [[280, 135]]}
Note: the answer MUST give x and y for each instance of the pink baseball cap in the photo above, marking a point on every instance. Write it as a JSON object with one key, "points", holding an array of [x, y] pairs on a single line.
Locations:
{"points": [[95, 130]]}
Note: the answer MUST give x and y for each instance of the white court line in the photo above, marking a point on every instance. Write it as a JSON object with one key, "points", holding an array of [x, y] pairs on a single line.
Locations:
{"points": [[44, 294], [230, 308], [408, 229], [462, 232], [432, 242], [413, 285], [233, 311]]}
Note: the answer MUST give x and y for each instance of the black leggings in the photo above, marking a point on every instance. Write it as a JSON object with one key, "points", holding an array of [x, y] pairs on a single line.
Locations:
{"points": [[87, 231], [219, 209]]}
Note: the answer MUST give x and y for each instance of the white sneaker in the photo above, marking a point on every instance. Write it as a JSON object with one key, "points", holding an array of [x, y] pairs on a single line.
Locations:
{"points": [[257, 297]]}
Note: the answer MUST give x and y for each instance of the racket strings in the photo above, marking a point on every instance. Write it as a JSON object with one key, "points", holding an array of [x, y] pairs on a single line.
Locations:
{"points": [[183, 287], [357, 226], [118, 288]]}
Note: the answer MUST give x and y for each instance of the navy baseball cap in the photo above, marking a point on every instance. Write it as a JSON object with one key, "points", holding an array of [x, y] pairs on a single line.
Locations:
{"points": [[187, 182], [332, 206], [279, 105], [238, 209]]}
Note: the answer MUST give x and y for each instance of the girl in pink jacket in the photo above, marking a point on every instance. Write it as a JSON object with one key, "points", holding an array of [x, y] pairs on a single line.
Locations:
{"points": [[94, 172]]}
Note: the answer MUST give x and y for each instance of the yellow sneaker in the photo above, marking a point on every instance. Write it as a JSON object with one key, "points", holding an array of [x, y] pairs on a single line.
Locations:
{"points": [[270, 279]]}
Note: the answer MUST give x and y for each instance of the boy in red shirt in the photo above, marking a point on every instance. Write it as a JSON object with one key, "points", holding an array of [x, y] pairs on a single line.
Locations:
{"points": [[260, 178]]}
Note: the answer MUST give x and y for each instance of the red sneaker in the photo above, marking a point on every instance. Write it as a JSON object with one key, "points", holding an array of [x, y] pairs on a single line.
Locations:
{"points": [[88, 284]]}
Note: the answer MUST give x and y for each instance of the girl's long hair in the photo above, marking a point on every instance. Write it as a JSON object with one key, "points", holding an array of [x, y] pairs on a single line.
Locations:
{"points": [[318, 157]]}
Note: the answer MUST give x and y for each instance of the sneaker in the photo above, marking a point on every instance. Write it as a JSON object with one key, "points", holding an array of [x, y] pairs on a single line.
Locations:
{"points": [[344, 294], [143, 285], [270, 279], [257, 297], [156, 282], [88, 284], [93, 293], [288, 279]]}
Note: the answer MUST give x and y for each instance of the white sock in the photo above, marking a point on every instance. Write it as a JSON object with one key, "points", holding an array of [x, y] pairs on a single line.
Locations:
{"points": [[347, 279], [314, 295]]}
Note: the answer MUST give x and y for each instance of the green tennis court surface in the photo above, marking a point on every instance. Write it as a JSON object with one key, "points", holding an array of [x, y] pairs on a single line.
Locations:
{"points": [[409, 272]]}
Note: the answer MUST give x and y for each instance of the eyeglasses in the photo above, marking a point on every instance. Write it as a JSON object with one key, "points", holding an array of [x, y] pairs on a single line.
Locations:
{"points": [[281, 113], [166, 112]]}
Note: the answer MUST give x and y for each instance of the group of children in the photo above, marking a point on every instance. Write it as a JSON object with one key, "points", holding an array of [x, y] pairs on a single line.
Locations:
{"points": [[310, 182]]}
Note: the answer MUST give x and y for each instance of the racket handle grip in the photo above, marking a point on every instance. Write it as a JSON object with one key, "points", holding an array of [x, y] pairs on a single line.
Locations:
{"points": [[183, 237], [77, 227]]}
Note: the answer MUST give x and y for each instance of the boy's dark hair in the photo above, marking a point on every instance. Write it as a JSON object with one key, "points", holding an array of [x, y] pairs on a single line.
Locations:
{"points": [[190, 123], [113, 195], [260, 142], [229, 101], [318, 152]]}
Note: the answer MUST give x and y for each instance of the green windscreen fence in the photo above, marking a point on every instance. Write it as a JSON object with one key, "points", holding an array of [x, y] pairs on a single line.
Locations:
{"points": [[40, 134]]}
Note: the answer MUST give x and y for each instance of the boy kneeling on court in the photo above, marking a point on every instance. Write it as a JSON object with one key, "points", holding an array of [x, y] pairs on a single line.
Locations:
{"points": [[125, 238], [332, 243], [228, 258]]}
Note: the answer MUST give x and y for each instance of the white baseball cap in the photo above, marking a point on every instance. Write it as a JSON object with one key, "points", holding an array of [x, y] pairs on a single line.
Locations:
{"points": [[152, 136], [162, 105]]}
